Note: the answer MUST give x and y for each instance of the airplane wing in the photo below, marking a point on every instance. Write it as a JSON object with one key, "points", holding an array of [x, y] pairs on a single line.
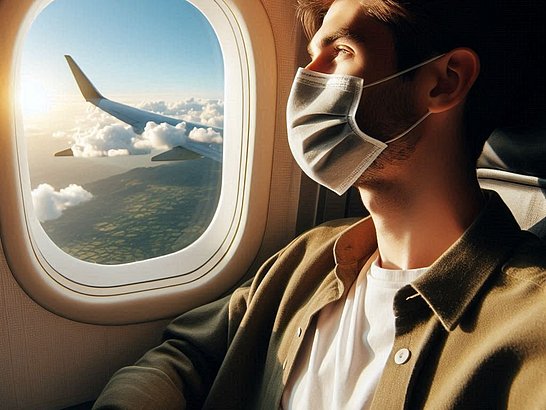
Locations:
{"points": [[138, 119]]}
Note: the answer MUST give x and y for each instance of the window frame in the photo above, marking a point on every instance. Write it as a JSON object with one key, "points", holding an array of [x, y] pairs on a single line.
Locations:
{"points": [[116, 294]]}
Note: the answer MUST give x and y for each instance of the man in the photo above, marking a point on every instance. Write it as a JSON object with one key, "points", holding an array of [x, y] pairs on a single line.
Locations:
{"points": [[388, 103]]}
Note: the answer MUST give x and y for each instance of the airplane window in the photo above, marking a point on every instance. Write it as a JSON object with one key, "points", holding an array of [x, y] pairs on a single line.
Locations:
{"points": [[137, 159], [122, 107]]}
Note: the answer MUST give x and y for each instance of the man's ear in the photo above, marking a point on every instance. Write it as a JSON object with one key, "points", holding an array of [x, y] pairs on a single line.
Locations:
{"points": [[451, 78]]}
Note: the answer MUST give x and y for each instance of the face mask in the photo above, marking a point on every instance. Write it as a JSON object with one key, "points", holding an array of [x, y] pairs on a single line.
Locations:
{"points": [[322, 131]]}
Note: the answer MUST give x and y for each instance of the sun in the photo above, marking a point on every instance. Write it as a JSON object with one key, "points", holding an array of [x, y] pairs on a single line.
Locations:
{"points": [[34, 98]]}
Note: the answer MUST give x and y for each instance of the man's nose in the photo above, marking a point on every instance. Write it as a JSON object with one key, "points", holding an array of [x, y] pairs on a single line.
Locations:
{"points": [[321, 64]]}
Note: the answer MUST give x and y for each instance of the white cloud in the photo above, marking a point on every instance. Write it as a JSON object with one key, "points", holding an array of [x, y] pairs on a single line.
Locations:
{"points": [[118, 152], [99, 134], [50, 204], [100, 141], [205, 135], [162, 136], [213, 114], [59, 134], [159, 107], [206, 112]]}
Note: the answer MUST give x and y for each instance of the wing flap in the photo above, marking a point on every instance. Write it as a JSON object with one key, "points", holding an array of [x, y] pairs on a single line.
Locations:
{"points": [[177, 154], [65, 153]]}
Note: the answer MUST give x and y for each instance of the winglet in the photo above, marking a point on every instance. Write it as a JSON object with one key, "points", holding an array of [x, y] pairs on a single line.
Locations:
{"points": [[88, 90]]}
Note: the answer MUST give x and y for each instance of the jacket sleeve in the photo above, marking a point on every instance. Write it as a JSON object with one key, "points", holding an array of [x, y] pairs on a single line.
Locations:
{"points": [[179, 373]]}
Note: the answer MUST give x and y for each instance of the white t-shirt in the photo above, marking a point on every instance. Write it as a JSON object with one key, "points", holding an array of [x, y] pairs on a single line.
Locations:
{"points": [[343, 356]]}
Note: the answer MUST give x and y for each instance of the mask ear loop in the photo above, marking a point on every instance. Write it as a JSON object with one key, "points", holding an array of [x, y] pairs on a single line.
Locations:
{"points": [[409, 129], [407, 70]]}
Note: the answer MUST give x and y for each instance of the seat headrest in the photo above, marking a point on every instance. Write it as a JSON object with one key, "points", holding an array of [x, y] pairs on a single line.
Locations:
{"points": [[513, 163], [520, 150]]}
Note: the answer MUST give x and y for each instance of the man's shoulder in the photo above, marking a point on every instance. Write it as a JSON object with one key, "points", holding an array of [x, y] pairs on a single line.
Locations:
{"points": [[334, 226], [326, 232]]}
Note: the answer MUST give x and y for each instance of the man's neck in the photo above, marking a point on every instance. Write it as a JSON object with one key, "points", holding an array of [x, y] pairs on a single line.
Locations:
{"points": [[415, 227]]}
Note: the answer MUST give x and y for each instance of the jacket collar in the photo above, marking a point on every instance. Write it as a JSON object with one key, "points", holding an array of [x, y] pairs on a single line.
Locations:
{"points": [[454, 280]]}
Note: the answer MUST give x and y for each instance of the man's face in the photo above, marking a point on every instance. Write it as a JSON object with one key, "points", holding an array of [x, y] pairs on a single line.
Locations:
{"points": [[351, 42]]}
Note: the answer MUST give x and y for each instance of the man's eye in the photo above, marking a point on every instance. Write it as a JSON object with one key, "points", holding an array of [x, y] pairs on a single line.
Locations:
{"points": [[343, 51]]}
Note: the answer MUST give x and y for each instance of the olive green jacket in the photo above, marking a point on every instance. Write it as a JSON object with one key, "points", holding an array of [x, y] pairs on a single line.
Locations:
{"points": [[470, 332]]}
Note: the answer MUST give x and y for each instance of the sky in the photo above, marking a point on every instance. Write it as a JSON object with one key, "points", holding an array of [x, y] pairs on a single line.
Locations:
{"points": [[156, 48], [158, 55]]}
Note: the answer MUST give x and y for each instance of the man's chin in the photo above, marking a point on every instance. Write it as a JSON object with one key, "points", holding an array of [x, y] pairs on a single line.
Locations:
{"points": [[374, 177]]}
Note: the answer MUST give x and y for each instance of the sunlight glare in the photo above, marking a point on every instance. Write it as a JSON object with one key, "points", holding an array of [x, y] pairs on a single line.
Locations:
{"points": [[35, 99]]}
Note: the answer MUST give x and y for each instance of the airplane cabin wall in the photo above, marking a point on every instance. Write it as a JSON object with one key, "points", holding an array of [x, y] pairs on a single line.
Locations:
{"points": [[49, 362]]}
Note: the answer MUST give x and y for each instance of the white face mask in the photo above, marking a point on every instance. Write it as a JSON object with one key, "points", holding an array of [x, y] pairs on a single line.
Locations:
{"points": [[322, 131]]}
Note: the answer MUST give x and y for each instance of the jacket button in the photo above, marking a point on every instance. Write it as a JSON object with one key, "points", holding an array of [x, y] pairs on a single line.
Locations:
{"points": [[300, 331], [402, 356]]}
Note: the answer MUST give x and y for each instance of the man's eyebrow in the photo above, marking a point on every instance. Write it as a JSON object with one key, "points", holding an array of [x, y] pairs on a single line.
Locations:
{"points": [[342, 33]]}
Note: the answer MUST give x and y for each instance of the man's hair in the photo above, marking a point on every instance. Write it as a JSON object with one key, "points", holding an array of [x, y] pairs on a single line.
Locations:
{"points": [[504, 34]]}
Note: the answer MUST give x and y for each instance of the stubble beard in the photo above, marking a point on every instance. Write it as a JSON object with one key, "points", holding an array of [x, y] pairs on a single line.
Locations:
{"points": [[391, 114]]}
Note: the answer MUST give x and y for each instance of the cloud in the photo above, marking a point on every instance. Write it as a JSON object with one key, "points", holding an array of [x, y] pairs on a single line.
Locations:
{"points": [[162, 136], [206, 135], [101, 141], [59, 134], [50, 204], [118, 152], [101, 135], [213, 114], [206, 112]]}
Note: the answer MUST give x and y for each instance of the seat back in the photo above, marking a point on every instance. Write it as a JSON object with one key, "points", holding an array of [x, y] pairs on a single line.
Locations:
{"points": [[513, 163]]}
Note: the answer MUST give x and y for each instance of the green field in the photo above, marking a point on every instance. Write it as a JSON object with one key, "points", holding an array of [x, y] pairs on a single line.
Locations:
{"points": [[144, 213]]}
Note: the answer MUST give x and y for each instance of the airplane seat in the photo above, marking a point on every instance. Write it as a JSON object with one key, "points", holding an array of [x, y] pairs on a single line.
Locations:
{"points": [[513, 163]]}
